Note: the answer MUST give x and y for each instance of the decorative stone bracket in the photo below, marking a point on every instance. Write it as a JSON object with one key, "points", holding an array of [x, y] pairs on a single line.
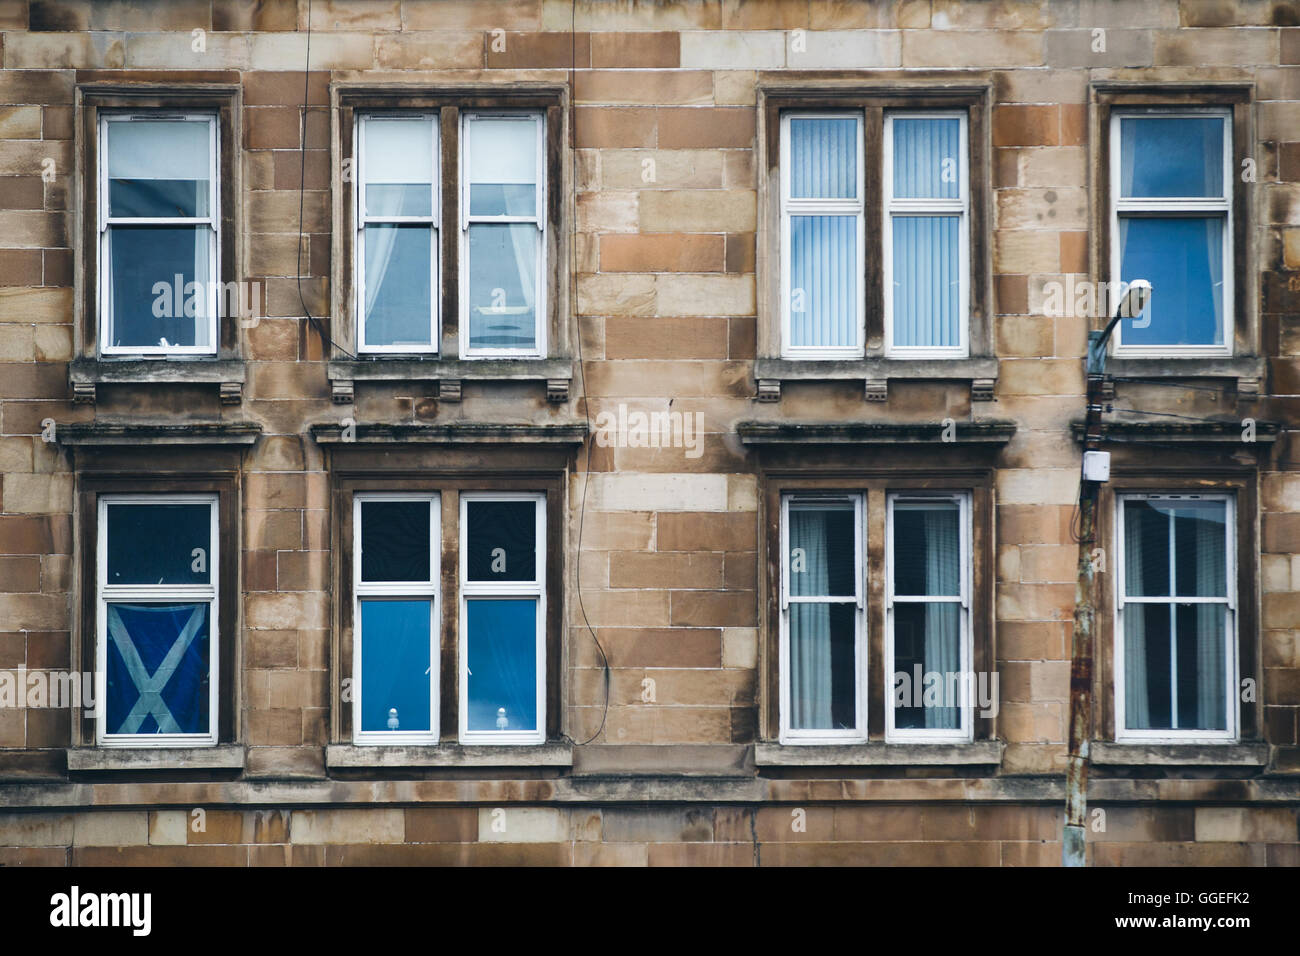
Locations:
{"points": [[87, 374], [876, 374], [450, 375]]}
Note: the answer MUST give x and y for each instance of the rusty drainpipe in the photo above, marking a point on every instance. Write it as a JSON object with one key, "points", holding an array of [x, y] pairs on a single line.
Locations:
{"points": [[1073, 843], [1082, 641]]}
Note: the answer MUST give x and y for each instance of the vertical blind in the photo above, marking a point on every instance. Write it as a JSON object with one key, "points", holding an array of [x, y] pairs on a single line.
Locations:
{"points": [[926, 231]]}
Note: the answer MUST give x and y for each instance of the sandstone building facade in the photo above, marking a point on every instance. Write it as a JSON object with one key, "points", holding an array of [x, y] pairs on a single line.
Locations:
{"points": [[579, 438]]}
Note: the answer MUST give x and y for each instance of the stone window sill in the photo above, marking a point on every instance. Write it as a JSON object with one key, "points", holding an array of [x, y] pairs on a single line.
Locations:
{"points": [[556, 373], [1106, 753], [979, 753], [1247, 371], [221, 757], [876, 373], [553, 754], [85, 375]]}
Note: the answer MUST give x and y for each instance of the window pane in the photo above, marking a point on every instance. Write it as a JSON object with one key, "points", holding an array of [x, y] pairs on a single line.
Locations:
{"points": [[395, 663], [1146, 549], [927, 548], [823, 668], [398, 293], [1147, 676], [1171, 156], [927, 158], [502, 662], [399, 167], [159, 168], [503, 286], [1202, 638], [927, 679], [1182, 258], [824, 158], [501, 540], [824, 281], [503, 167], [157, 678], [1187, 678], [394, 541], [160, 286], [1200, 549], [822, 549], [927, 281], [157, 544]]}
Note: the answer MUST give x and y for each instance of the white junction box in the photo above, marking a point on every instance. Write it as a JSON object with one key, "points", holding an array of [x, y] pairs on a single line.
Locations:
{"points": [[1096, 466]]}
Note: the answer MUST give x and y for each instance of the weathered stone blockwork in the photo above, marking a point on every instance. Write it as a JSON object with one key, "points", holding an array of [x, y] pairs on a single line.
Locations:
{"points": [[665, 553]]}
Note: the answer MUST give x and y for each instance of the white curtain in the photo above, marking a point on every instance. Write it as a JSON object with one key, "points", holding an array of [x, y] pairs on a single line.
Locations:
{"points": [[1211, 580], [1137, 698], [810, 624], [943, 619]]}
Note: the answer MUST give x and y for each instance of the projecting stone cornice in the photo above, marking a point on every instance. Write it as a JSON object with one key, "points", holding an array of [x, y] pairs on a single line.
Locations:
{"points": [[1184, 433], [454, 433], [119, 434], [876, 433]]}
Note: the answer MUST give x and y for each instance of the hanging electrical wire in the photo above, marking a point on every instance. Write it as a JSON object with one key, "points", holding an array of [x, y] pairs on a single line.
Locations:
{"points": [[582, 370]]}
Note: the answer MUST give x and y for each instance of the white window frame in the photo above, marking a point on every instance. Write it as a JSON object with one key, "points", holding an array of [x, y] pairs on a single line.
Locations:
{"points": [[542, 309], [964, 733], [361, 219], [823, 736], [791, 206], [958, 208], [103, 263], [1232, 654], [397, 590], [1168, 208], [469, 590], [192, 593]]}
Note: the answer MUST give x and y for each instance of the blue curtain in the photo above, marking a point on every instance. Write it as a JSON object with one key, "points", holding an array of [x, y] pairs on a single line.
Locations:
{"points": [[502, 661]]}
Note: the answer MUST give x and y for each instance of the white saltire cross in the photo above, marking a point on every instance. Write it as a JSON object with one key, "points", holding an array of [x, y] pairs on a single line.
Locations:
{"points": [[151, 686]]}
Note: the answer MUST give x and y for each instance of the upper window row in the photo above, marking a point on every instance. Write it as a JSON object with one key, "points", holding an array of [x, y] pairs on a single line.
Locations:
{"points": [[1170, 222]]}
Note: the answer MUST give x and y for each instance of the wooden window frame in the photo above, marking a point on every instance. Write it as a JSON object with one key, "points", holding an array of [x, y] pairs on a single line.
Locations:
{"points": [[1229, 733], [964, 732], [1242, 308], [469, 590], [411, 590], [225, 662], [97, 100], [1242, 485], [861, 689], [450, 104], [449, 487], [361, 219], [875, 483], [1140, 205], [874, 101], [892, 207]]}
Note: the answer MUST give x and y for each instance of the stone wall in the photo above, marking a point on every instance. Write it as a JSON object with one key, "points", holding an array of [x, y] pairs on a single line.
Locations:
{"points": [[667, 278]]}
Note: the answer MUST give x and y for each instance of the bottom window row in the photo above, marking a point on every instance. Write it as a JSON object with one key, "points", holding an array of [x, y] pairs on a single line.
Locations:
{"points": [[1175, 652]]}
